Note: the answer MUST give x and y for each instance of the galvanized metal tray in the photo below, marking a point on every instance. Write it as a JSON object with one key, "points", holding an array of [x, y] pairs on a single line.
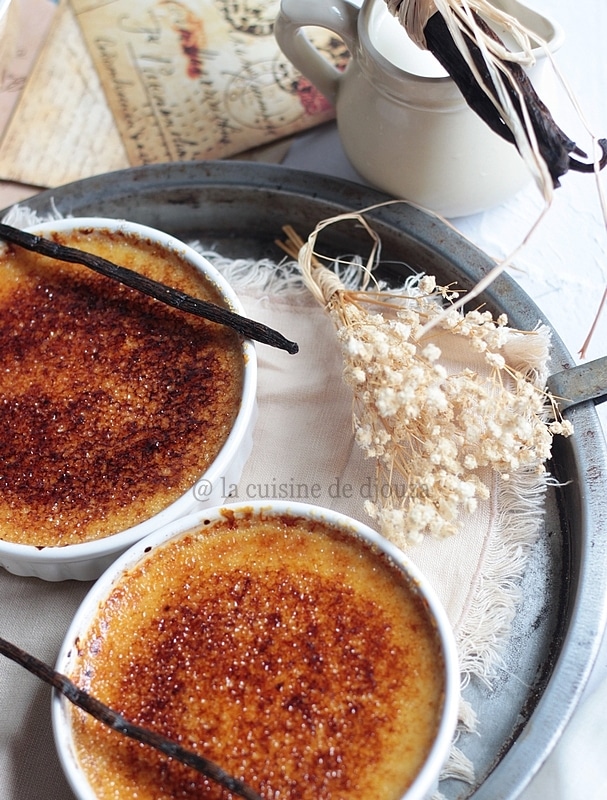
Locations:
{"points": [[239, 209]]}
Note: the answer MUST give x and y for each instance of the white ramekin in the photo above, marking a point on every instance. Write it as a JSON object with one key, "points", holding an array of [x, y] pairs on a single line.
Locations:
{"points": [[88, 560], [427, 779]]}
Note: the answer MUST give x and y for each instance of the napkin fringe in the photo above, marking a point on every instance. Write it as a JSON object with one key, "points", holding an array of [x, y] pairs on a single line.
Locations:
{"points": [[282, 279], [489, 616], [518, 508], [22, 216], [458, 767], [263, 277]]}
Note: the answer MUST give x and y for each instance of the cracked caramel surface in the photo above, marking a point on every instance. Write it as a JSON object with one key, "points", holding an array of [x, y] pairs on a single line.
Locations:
{"points": [[283, 650], [111, 404]]}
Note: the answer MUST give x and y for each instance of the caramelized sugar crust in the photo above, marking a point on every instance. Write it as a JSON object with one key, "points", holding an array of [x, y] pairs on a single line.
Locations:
{"points": [[285, 651], [112, 404]]}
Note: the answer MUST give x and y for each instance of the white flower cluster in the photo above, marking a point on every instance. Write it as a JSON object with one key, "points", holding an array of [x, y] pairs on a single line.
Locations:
{"points": [[431, 428]]}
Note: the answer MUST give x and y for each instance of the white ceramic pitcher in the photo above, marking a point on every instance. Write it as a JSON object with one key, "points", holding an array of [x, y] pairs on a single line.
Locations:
{"points": [[402, 121]]}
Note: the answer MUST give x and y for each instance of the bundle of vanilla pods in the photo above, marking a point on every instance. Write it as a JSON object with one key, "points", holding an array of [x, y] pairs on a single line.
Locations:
{"points": [[493, 81]]}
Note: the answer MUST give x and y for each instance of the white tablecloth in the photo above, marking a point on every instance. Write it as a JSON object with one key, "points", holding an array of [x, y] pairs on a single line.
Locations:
{"points": [[564, 270]]}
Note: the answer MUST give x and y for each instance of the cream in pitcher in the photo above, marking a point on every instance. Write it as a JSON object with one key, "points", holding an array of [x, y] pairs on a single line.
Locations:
{"points": [[402, 121]]}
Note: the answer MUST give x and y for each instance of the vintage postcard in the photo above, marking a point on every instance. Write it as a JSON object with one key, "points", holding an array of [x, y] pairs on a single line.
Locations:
{"points": [[198, 79]]}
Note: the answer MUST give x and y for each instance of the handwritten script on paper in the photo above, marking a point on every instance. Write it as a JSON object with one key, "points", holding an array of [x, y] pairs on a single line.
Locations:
{"points": [[199, 79]]}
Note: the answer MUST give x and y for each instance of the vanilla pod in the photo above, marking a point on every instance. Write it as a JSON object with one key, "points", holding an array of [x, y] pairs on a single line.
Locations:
{"points": [[555, 147]]}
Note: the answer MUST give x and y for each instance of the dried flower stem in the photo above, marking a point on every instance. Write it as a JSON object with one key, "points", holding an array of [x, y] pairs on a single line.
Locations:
{"points": [[433, 422]]}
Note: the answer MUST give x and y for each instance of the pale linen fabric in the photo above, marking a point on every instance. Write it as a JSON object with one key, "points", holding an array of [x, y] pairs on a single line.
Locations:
{"points": [[303, 439]]}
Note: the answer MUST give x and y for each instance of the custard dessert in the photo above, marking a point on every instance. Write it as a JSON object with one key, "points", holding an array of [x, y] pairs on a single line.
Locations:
{"points": [[111, 404], [290, 652]]}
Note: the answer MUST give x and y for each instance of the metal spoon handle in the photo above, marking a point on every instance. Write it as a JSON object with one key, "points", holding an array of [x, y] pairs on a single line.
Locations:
{"points": [[581, 383]]}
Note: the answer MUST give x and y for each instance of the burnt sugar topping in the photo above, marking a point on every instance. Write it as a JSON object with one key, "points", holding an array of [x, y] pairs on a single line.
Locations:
{"points": [[291, 655], [111, 404]]}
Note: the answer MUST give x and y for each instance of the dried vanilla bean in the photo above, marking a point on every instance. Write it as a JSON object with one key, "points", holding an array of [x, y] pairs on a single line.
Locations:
{"points": [[554, 145], [159, 291], [117, 722], [473, 68]]}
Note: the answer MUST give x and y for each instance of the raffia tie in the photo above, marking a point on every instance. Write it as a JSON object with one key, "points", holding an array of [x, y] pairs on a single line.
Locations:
{"points": [[413, 15]]}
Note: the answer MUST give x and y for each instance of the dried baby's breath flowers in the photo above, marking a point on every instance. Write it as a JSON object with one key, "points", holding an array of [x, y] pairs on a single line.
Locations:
{"points": [[439, 411], [432, 429]]}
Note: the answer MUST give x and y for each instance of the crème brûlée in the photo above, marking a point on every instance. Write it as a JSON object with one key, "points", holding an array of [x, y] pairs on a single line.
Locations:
{"points": [[289, 652], [112, 404]]}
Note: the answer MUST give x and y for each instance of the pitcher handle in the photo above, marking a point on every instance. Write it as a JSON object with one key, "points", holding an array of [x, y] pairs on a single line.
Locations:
{"points": [[338, 16]]}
